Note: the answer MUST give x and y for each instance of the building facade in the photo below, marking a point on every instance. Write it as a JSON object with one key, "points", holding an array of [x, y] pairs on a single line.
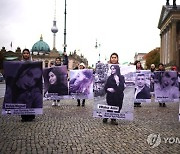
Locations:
{"points": [[169, 25]]}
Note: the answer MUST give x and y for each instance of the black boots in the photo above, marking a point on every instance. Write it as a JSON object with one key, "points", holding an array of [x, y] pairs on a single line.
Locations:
{"points": [[83, 102]]}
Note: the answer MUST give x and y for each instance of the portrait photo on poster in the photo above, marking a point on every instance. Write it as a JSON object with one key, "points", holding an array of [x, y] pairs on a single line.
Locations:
{"points": [[81, 84], [166, 86], [55, 82], [23, 93], [142, 86], [117, 103]]}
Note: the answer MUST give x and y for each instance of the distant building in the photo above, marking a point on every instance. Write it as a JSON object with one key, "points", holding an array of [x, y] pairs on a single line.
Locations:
{"points": [[169, 25], [140, 57], [41, 52]]}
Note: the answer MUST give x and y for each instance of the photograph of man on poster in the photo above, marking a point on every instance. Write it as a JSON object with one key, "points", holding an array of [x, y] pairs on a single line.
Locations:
{"points": [[142, 89]]}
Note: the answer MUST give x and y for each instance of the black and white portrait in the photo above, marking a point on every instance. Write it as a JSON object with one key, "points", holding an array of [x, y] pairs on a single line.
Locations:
{"points": [[23, 88], [117, 103], [55, 82], [81, 83], [142, 86], [166, 86]]}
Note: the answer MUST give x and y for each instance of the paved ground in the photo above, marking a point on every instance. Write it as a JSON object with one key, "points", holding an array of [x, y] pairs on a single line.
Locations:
{"points": [[69, 129]]}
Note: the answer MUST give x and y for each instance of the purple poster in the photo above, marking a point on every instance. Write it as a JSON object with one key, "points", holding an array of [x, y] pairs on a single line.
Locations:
{"points": [[55, 82], [166, 86], [118, 84], [23, 93], [81, 84]]}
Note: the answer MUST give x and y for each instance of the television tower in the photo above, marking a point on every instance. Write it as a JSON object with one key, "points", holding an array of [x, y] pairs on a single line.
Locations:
{"points": [[54, 29]]}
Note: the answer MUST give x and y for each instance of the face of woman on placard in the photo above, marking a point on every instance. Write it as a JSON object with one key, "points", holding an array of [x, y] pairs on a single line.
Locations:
{"points": [[80, 76], [29, 78], [113, 70], [166, 80], [52, 78]]}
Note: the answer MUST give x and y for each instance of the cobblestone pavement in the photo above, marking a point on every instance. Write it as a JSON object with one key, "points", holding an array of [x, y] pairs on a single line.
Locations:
{"points": [[69, 129]]}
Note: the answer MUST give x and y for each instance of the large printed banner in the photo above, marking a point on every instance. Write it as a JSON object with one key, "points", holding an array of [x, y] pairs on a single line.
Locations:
{"points": [[114, 91], [166, 86], [55, 82], [142, 86], [23, 95], [81, 84]]}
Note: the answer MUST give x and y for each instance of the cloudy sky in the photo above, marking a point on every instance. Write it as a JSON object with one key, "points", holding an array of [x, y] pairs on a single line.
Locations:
{"points": [[125, 27]]}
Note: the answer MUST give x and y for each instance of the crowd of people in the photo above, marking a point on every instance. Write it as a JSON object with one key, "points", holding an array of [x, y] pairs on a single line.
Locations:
{"points": [[26, 87]]}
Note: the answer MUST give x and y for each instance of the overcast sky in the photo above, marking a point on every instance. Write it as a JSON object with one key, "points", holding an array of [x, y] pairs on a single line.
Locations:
{"points": [[125, 27]]}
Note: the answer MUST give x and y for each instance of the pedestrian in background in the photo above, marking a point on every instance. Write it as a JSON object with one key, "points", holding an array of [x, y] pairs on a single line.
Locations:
{"points": [[139, 67]]}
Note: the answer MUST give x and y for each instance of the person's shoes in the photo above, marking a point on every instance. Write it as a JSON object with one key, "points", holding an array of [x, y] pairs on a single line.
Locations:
{"points": [[105, 120], [139, 105], [160, 104], [135, 105], [164, 105], [83, 104], [78, 104], [54, 103], [114, 122]]}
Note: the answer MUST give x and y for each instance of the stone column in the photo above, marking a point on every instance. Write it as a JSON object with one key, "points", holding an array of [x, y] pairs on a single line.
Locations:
{"points": [[173, 41]]}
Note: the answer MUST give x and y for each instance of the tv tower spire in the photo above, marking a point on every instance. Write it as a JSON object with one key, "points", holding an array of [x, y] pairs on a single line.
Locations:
{"points": [[54, 29]]}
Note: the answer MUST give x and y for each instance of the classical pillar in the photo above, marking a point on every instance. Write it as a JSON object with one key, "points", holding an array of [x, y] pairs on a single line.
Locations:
{"points": [[173, 41]]}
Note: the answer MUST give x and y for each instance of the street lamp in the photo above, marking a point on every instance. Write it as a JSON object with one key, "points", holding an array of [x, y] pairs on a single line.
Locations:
{"points": [[65, 45], [97, 46]]}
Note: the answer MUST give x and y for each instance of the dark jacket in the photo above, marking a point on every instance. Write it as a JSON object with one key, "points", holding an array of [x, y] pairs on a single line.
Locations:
{"points": [[115, 98], [144, 93]]}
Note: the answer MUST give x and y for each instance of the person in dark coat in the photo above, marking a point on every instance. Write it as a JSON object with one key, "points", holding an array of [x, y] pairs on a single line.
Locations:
{"points": [[114, 86]]}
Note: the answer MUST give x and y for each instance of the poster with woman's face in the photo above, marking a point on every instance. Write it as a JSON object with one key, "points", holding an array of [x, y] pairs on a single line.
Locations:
{"points": [[23, 93], [166, 86], [117, 103], [142, 86], [55, 82], [81, 84]]}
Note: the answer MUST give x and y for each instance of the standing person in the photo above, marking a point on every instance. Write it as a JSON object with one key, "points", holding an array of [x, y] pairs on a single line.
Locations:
{"points": [[26, 57], [81, 66], [153, 68], [65, 59], [161, 69], [139, 67], [114, 87], [57, 63]]}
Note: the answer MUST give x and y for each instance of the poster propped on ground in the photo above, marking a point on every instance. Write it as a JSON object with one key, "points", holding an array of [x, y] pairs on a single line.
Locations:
{"points": [[142, 86], [81, 84], [166, 86], [114, 87], [55, 83], [23, 95]]}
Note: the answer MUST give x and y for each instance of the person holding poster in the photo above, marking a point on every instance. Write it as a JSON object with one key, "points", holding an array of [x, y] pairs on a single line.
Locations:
{"points": [[139, 67], [25, 88], [81, 66], [114, 87]]}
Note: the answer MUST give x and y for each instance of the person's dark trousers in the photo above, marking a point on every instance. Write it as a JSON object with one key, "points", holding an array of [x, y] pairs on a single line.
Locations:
{"points": [[83, 102], [25, 118], [137, 104], [78, 100]]}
